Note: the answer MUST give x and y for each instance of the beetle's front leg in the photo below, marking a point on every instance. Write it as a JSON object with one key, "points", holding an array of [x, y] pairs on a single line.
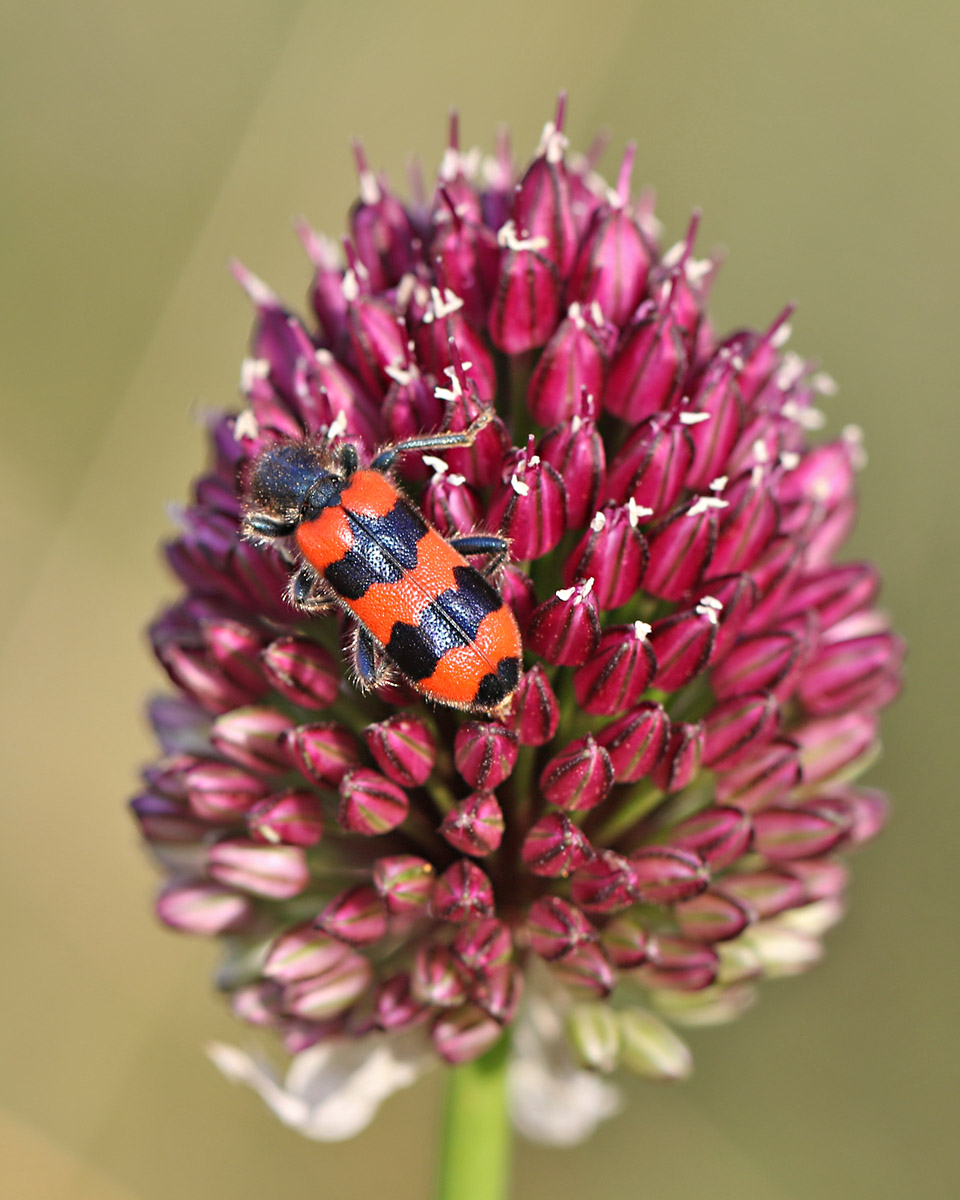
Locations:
{"points": [[310, 593], [484, 543]]}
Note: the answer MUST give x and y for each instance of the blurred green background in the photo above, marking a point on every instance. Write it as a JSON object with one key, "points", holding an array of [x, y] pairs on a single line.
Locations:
{"points": [[144, 144]]}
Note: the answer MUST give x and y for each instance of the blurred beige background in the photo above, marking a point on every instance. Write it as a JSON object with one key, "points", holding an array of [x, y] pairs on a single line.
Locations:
{"points": [[141, 146]]}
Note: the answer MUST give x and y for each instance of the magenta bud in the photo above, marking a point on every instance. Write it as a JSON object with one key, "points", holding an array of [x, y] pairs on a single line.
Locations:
{"points": [[205, 682], [396, 1005], [578, 778], [235, 647], [163, 819], [326, 293], [769, 772], [541, 203], [344, 401], [474, 825], [377, 338], [768, 661], [291, 818], [586, 971], [404, 883], [845, 671], [737, 727], [606, 884], [822, 878], [784, 834], [302, 671], [719, 835], [480, 463], [681, 548], [485, 753], [529, 508], [498, 992], [834, 745], [404, 749], [450, 503], [221, 792], [682, 643], [278, 339], [737, 596], [257, 1003], [647, 372], [254, 738], [356, 916], [766, 892], [835, 592], [680, 762], [526, 300], [519, 594], [332, 990], [774, 573], [747, 524], [676, 963], [865, 811], [573, 363], [323, 752], [276, 872], [462, 893], [635, 741], [575, 450], [437, 976], [619, 672], [712, 917], [483, 946], [463, 1034], [370, 803], [203, 908], [301, 952], [443, 323], [566, 628], [380, 229], [625, 941], [714, 420], [536, 713], [613, 552], [554, 847], [554, 927], [652, 465], [664, 875], [471, 258]]}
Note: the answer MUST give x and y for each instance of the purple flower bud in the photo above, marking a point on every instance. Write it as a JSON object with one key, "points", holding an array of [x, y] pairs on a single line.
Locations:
{"points": [[326, 294], [162, 819], [822, 878], [769, 661], [864, 810], [483, 946], [356, 916], [625, 941], [566, 628], [203, 908], [681, 548], [462, 893], [676, 963], [343, 399], [768, 772], [380, 229], [736, 595], [541, 202], [485, 753], [747, 524], [221, 792], [499, 991], [613, 552], [474, 825], [301, 952], [396, 1006], [323, 752], [606, 884], [444, 326], [579, 777], [712, 917], [648, 369], [234, 647], [846, 670], [714, 419], [555, 927], [481, 462], [404, 883], [835, 592], [682, 644], [437, 977], [331, 991], [276, 872], [190, 669], [737, 727], [293, 818], [554, 847], [526, 301], [766, 892], [370, 803], [519, 594], [680, 762], [464, 1033], [279, 340], [404, 749], [529, 507], [619, 672], [573, 364], [254, 738], [635, 741], [664, 875], [783, 834], [652, 465], [575, 450], [302, 671], [470, 257], [536, 713], [450, 503], [586, 971], [718, 835], [377, 338]]}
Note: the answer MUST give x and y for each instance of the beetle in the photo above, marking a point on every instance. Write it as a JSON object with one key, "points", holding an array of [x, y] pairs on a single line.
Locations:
{"points": [[364, 547]]}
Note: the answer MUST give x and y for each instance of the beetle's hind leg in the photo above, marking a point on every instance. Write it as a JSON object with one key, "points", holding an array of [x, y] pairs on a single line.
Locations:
{"points": [[484, 543], [433, 441], [370, 663]]}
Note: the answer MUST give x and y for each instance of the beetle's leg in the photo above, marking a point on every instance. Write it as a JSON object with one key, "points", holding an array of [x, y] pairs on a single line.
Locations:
{"points": [[433, 441], [484, 543], [309, 593], [369, 661], [260, 525], [349, 459]]}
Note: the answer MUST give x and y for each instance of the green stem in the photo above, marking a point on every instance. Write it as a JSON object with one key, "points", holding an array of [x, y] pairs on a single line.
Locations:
{"points": [[475, 1153]]}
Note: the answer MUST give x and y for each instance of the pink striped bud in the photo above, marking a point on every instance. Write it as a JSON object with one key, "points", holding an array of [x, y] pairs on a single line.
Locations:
{"points": [[498, 992], [664, 875], [826, 474], [835, 592], [613, 552], [586, 971], [554, 847], [404, 883], [578, 778], [370, 803], [356, 916], [566, 628], [625, 941], [278, 338], [301, 952], [719, 835], [737, 596], [766, 892], [681, 548], [736, 727], [404, 749], [254, 738], [555, 927], [474, 825], [714, 419], [676, 963], [606, 884], [234, 647], [276, 872], [517, 590], [449, 502], [653, 463], [293, 818], [204, 908], [783, 834], [191, 670], [326, 292], [747, 524], [648, 369], [163, 819], [573, 364], [774, 573], [680, 762], [635, 741], [712, 917], [302, 671], [376, 337], [331, 991], [575, 450], [768, 661], [768, 772], [462, 893], [485, 753], [481, 462], [443, 326], [682, 644], [526, 301], [483, 946], [344, 400], [437, 977], [535, 712], [464, 1033], [529, 507], [470, 256], [380, 229], [845, 671], [864, 810], [221, 792], [619, 672], [541, 202], [323, 752], [396, 1006]]}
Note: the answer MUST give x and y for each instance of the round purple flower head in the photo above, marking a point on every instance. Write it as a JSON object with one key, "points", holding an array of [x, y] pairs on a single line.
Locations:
{"points": [[655, 819]]}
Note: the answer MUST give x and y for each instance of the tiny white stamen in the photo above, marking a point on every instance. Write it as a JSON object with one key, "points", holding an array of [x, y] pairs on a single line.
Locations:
{"points": [[456, 480], [575, 314], [718, 484], [789, 459], [674, 254], [790, 371], [760, 451], [596, 312], [508, 237], [246, 425], [853, 436], [576, 423], [782, 335], [324, 357], [521, 488], [565, 594], [737, 362], [706, 610], [642, 630], [712, 602], [369, 188], [405, 289], [533, 460], [251, 370], [445, 305], [401, 374], [598, 522], [824, 384], [804, 415], [756, 475], [703, 504], [552, 143], [350, 287], [636, 512], [338, 426], [693, 418], [697, 269], [437, 465]]}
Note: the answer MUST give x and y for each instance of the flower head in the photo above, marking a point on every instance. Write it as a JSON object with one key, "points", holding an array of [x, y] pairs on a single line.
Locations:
{"points": [[654, 818]]}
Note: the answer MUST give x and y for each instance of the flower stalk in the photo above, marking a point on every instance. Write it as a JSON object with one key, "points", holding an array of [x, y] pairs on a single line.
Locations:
{"points": [[475, 1147]]}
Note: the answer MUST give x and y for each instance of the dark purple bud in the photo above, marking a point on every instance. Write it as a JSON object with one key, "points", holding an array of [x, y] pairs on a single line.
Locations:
{"points": [[625, 941], [463, 1034], [845, 670], [529, 507], [586, 971], [737, 727], [681, 548], [555, 847], [437, 977], [579, 777], [276, 872], [541, 202], [482, 462], [235, 648], [181, 726], [326, 293], [663, 875], [404, 883], [783, 834], [485, 753], [712, 917], [648, 369], [619, 672], [254, 738], [719, 835], [291, 818], [356, 916], [474, 825], [517, 590], [449, 502], [396, 1006], [462, 893], [380, 229], [323, 752], [483, 946], [535, 712], [344, 401], [221, 792], [573, 364], [191, 670], [566, 628], [768, 772], [498, 992], [747, 524], [278, 339], [370, 803], [675, 963], [470, 256], [257, 1003], [442, 325], [163, 819], [613, 552], [635, 741], [736, 595], [714, 419], [652, 465], [766, 892], [766, 661], [758, 354], [526, 302], [680, 762], [302, 671], [204, 908], [606, 884], [376, 336], [330, 992], [554, 927], [682, 643], [834, 592], [575, 450], [404, 749], [302, 951]]}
